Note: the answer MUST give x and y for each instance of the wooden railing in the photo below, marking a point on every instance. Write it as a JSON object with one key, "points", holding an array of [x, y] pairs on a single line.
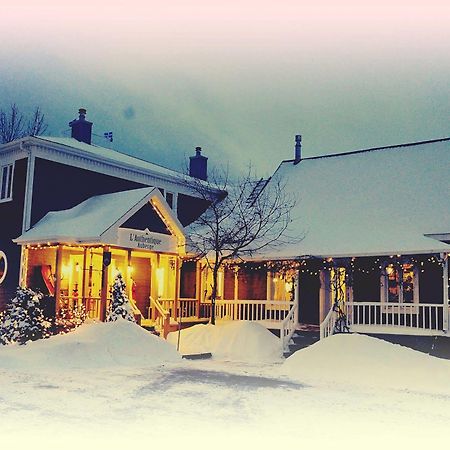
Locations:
{"points": [[428, 317], [161, 316]]}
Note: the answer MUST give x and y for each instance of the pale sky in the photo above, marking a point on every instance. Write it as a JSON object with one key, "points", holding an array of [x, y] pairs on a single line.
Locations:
{"points": [[238, 78]]}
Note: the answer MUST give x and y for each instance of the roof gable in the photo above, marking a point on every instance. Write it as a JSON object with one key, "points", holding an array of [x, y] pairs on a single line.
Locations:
{"points": [[99, 218]]}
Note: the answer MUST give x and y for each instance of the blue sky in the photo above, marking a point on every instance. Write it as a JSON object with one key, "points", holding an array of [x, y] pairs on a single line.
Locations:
{"points": [[239, 79]]}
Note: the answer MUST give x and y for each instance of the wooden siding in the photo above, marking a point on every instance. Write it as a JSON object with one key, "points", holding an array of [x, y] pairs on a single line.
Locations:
{"points": [[11, 216]]}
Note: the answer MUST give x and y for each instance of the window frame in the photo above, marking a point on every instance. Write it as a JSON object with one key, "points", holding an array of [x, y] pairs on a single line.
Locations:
{"points": [[6, 195], [401, 305]]}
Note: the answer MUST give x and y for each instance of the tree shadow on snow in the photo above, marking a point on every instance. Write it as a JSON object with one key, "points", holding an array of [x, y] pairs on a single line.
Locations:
{"points": [[199, 377]]}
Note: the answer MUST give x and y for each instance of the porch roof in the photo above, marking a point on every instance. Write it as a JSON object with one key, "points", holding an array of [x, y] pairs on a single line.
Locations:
{"points": [[385, 201], [97, 219]]}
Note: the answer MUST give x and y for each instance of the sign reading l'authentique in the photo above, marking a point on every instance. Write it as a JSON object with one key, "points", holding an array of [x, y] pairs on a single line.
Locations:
{"points": [[147, 240]]}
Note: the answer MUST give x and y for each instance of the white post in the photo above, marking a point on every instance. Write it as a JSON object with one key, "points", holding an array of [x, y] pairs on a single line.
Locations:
{"points": [[296, 296], [446, 311]]}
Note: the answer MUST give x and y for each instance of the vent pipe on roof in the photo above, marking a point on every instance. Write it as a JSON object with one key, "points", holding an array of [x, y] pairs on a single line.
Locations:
{"points": [[81, 128], [298, 148], [198, 165]]}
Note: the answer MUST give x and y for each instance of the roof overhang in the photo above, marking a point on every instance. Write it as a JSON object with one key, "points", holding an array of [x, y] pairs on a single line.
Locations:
{"points": [[48, 230]]}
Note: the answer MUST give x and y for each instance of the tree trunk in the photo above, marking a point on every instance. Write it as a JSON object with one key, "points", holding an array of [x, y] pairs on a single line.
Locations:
{"points": [[214, 294]]}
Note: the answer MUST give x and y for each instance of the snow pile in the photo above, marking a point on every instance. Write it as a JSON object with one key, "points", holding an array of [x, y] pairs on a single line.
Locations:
{"points": [[94, 345], [234, 341], [353, 359]]}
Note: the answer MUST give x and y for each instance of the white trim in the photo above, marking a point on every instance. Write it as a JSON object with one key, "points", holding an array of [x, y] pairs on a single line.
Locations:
{"points": [[445, 297], [26, 223], [384, 289]]}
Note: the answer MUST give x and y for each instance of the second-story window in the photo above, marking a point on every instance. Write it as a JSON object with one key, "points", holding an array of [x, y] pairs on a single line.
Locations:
{"points": [[6, 180]]}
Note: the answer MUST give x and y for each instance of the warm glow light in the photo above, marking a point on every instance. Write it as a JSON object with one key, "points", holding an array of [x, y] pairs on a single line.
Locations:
{"points": [[160, 280], [65, 271], [288, 287]]}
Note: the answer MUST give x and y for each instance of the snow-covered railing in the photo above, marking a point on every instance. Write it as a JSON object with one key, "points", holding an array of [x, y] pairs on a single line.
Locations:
{"points": [[419, 316], [288, 327], [161, 316], [328, 325], [254, 310]]}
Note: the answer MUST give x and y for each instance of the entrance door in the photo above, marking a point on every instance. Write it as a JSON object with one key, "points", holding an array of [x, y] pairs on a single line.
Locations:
{"points": [[140, 279], [309, 288]]}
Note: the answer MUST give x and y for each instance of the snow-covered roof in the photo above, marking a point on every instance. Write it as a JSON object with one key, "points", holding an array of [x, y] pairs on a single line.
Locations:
{"points": [[110, 155], [93, 220], [372, 202]]}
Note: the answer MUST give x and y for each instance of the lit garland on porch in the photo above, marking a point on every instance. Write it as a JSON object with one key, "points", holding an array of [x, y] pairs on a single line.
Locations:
{"points": [[313, 266]]}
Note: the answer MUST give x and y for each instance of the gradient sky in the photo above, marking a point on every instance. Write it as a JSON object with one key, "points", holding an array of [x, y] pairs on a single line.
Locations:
{"points": [[239, 78]]}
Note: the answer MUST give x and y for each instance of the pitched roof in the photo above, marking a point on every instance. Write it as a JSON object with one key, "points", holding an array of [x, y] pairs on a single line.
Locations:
{"points": [[375, 202], [93, 220], [111, 155]]}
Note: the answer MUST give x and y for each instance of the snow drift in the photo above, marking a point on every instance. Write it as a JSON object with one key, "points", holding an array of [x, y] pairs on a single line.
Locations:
{"points": [[234, 341], [94, 345], [353, 359]]}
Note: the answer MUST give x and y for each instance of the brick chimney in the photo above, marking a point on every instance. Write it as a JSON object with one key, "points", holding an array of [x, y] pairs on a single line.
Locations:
{"points": [[298, 148], [198, 165], [81, 128]]}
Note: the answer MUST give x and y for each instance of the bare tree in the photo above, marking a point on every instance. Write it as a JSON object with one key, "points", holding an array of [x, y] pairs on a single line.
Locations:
{"points": [[246, 218], [13, 124]]}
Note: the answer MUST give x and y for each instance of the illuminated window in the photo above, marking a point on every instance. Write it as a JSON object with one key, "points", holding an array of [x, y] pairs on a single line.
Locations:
{"points": [[400, 284], [6, 179], [3, 266]]}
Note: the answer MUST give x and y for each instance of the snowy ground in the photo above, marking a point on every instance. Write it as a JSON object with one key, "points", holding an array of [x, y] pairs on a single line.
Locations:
{"points": [[115, 402]]}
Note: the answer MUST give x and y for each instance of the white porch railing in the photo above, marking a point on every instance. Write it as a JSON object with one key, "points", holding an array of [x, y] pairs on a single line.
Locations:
{"points": [[423, 318], [254, 310], [288, 327], [328, 325]]}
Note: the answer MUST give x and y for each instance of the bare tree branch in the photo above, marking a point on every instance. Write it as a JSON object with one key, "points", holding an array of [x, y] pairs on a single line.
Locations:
{"points": [[12, 124], [249, 219]]}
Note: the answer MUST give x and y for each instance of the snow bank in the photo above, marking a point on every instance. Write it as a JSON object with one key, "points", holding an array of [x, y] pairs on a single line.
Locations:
{"points": [[353, 359], [94, 345], [235, 341]]}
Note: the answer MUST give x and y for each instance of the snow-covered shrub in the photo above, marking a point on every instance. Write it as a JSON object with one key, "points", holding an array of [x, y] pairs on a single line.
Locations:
{"points": [[119, 306], [23, 319]]}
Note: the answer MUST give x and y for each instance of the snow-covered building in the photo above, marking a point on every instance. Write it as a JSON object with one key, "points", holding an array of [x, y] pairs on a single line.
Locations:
{"points": [[74, 213], [374, 230], [371, 237]]}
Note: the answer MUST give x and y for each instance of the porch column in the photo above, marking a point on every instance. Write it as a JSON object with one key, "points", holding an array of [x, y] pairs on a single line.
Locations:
{"points": [[105, 283], [58, 268], [128, 277], [177, 289], [83, 279], [446, 312], [198, 287], [297, 294], [23, 266], [324, 294], [236, 284]]}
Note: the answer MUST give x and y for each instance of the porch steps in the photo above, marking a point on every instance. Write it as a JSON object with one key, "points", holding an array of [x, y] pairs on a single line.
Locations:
{"points": [[302, 339]]}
